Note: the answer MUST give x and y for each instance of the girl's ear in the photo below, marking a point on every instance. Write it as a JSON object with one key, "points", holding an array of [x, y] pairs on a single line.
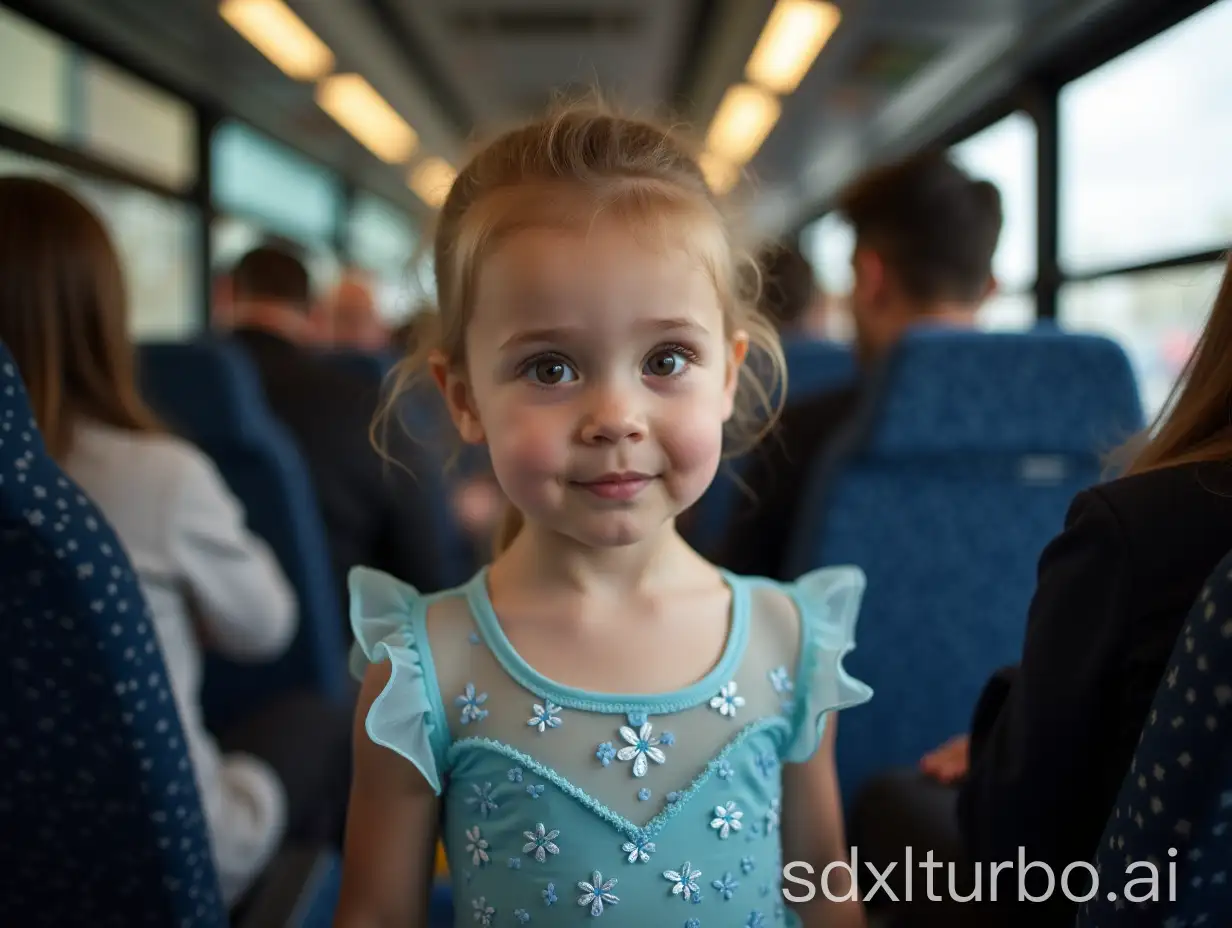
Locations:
{"points": [[737, 351], [458, 399]]}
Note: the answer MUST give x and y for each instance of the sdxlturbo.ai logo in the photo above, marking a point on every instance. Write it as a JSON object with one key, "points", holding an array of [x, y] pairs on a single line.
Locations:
{"points": [[1042, 880]]}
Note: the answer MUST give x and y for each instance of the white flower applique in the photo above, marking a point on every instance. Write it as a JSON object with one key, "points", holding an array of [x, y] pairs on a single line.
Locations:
{"points": [[545, 717], [727, 702], [641, 745], [597, 893], [726, 819], [540, 842]]}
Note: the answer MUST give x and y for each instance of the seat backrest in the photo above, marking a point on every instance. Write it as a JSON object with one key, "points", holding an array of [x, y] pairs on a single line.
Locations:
{"points": [[955, 474], [211, 394], [1178, 791], [99, 810], [816, 366]]}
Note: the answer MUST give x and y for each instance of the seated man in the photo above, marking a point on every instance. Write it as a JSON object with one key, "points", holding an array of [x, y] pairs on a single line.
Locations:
{"points": [[374, 512], [925, 237]]}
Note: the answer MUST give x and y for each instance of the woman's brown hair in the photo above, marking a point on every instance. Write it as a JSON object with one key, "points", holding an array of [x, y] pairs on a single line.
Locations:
{"points": [[1196, 424], [64, 313]]}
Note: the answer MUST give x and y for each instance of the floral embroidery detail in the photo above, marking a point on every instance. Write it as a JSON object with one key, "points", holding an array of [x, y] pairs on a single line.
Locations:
{"points": [[641, 745], [521, 915], [637, 719], [746, 865], [727, 702], [515, 863], [539, 843], [549, 894], [597, 893], [606, 753], [643, 794], [773, 815], [766, 763], [534, 790], [780, 679], [545, 716], [723, 769], [726, 819], [684, 881], [639, 850], [763, 890], [477, 847], [483, 799], [515, 774], [726, 886], [673, 796], [466, 875], [756, 920], [667, 739], [473, 638], [483, 911], [693, 923], [470, 704]]}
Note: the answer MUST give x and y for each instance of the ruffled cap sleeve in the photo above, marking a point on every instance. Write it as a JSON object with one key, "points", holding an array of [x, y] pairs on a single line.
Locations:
{"points": [[385, 613], [829, 604]]}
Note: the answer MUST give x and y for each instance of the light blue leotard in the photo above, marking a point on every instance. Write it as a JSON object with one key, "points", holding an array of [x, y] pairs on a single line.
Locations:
{"points": [[567, 807]]}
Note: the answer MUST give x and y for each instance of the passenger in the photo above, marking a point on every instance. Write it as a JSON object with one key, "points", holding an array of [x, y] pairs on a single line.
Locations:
{"points": [[1053, 738], [594, 337], [925, 237], [790, 296], [348, 317], [374, 512], [208, 581]]}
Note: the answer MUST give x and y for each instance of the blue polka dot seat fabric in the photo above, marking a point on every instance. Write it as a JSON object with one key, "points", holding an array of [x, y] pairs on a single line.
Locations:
{"points": [[1173, 815], [100, 821], [566, 807]]}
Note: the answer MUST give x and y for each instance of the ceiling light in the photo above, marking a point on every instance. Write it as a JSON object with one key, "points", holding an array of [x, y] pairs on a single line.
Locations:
{"points": [[794, 36], [720, 175], [364, 113], [280, 36], [744, 119], [431, 181]]}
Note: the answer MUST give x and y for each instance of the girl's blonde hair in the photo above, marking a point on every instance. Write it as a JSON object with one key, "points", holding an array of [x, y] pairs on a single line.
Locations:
{"points": [[625, 168], [1196, 422]]}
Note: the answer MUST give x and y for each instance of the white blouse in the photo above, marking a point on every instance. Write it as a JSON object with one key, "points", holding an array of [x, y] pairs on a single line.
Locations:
{"points": [[205, 576]]}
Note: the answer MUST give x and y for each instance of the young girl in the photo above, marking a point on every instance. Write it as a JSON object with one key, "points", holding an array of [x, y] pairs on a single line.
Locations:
{"points": [[605, 725]]}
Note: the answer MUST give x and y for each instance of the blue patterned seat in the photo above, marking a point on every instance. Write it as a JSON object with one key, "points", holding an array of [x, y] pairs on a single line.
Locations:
{"points": [[955, 474], [211, 394], [99, 810], [1178, 791]]}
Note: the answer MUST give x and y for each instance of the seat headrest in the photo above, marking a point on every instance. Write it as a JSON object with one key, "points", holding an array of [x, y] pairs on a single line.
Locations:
{"points": [[945, 392], [209, 388]]}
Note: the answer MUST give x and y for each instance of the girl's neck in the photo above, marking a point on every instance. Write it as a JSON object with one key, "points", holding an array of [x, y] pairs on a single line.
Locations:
{"points": [[542, 558]]}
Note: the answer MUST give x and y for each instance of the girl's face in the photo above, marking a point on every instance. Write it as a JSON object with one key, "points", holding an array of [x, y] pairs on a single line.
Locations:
{"points": [[600, 377]]}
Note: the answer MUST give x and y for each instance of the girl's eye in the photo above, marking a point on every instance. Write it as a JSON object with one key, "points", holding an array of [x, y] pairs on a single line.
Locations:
{"points": [[550, 371], [667, 363]]}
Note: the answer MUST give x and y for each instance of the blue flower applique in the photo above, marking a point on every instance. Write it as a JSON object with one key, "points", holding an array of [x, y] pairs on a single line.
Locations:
{"points": [[667, 739], [639, 850], [521, 915], [727, 702], [726, 819], [473, 638], [482, 799], [641, 747], [515, 774], [726, 886], [756, 920], [606, 753], [545, 717], [534, 790], [515, 863], [643, 794], [723, 769], [483, 911], [540, 842], [470, 704], [693, 923], [780, 679], [773, 815], [746, 865], [684, 881], [637, 718], [549, 894], [673, 796], [763, 890], [477, 846], [597, 893], [766, 763]]}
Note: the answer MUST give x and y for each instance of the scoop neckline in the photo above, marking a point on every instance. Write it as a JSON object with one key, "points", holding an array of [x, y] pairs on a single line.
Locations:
{"points": [[480, 602]]}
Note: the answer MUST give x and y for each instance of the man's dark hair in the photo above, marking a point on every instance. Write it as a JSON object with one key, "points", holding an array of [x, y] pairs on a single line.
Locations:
{"points": [[935, 227], [272, 273], [788, 285]]}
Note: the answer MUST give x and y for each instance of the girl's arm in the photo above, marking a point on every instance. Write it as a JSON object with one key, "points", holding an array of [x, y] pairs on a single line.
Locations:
{"points": [[390, 834], [813, 832]]}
